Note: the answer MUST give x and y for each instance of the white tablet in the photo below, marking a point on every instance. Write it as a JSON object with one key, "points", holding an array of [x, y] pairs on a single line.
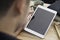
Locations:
{"points": [[42, 20]]}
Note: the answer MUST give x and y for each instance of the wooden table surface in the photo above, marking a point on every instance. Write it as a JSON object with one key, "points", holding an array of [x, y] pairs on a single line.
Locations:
{"points": [[51, 35]]}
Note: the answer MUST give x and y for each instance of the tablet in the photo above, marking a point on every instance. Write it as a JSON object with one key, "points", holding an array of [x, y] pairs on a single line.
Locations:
{"points": [[41, 22]]}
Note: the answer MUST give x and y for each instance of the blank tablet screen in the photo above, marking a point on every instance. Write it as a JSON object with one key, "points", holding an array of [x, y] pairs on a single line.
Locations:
{"points": [[41, 21]]}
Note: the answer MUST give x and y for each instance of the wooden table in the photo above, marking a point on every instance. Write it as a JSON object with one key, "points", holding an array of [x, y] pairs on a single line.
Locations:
{"points": [[51, 35]]}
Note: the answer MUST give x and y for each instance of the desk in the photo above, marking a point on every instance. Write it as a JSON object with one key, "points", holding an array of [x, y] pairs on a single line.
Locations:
{"points": [[51, 35]]}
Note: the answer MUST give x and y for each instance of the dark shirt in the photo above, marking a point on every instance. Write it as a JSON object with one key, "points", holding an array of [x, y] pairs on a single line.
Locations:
{"points": [[4, 36]]}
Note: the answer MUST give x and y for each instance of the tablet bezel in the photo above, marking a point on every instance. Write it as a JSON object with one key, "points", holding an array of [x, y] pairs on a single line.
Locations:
{"points": [[36, 33]]}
